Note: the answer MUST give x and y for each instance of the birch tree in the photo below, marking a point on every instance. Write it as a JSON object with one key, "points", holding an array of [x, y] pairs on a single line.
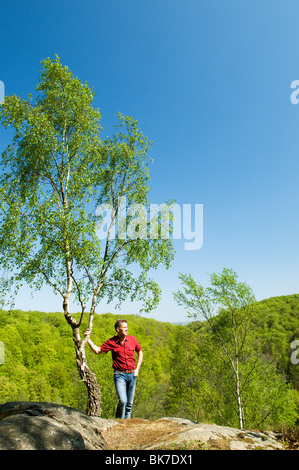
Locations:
{"points": [[54, 175], [227, 307]]}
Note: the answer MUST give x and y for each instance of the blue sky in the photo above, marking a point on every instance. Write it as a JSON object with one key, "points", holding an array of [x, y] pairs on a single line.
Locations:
{"points": [[209, 83]]}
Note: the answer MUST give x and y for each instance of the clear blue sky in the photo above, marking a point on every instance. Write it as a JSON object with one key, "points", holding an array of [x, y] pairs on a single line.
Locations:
{"points": [[209, 82]]}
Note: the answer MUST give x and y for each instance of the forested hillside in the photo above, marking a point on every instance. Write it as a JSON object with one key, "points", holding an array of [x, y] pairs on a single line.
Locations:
{"points": [[275, 327], [40, 366]]}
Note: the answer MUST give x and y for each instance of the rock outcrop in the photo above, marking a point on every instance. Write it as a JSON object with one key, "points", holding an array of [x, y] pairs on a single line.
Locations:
{"points": [[220, 437], [49, 426]]}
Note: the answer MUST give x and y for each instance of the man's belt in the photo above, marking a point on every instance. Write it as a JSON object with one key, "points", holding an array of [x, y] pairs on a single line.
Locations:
{"points": [[127, 371]]}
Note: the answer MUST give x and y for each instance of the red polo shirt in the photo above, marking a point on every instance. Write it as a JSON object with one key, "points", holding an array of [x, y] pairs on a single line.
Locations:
{"points": [[123, 355]]}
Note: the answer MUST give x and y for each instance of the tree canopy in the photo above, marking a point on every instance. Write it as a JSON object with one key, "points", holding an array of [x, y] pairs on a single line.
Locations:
{"points": [[233, 365], [54, 176]]}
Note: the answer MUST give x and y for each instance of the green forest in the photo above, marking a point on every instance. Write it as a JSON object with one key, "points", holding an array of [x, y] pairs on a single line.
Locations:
{"points": [[182, 373]]}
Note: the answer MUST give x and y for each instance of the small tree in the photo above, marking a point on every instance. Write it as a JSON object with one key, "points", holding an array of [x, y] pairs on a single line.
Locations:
{"points": [[55, 175], [232, 301]]}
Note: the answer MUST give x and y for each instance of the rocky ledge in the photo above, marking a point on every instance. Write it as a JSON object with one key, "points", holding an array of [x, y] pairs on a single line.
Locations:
{"points": [[49, 426], [216, 437]]}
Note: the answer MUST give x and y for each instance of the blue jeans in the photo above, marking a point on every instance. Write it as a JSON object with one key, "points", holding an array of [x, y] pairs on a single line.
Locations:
{"points": [[125, 389]]}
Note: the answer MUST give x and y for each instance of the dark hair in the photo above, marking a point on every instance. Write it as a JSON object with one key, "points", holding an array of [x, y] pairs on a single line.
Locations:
{"points": [[118, 323]]}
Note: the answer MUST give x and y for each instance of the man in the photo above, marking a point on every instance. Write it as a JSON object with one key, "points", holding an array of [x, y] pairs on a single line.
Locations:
{"points": [[123, 349]]}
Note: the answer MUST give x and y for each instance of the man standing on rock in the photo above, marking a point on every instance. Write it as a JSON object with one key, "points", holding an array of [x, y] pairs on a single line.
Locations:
{"points": [[123, 349]]}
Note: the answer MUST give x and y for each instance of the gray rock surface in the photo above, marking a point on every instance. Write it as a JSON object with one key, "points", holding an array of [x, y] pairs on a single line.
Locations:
{"points": [[47, 426], [22, 432], [222, 437]]}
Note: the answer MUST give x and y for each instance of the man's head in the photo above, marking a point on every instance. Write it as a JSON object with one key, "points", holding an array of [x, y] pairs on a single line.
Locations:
{"points": [[121, 327]]}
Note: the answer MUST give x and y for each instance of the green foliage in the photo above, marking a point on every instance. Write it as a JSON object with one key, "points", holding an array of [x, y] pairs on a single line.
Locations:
{"points": [[54, 175], [241, 367], [185, 392], [39, 361], [172, 381]]}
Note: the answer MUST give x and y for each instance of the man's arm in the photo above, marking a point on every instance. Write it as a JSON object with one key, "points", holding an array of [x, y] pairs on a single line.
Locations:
{"points": [[139, 361], [93, 347]]}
